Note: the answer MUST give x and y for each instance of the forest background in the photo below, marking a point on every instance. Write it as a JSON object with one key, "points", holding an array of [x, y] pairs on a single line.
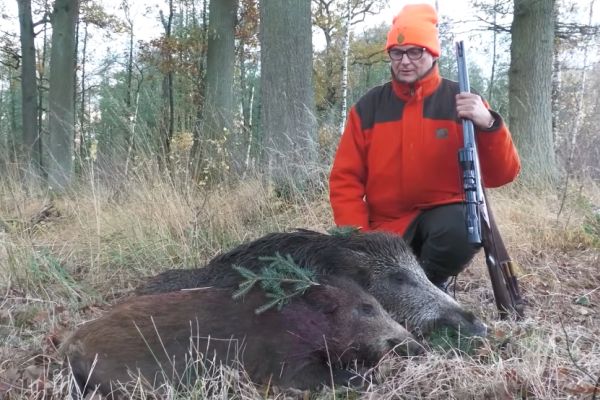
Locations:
{"points": [[126, 153]]}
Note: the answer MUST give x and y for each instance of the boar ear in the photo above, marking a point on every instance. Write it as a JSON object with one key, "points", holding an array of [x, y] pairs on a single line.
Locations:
{"points": [[324, 298], [357, 266]]}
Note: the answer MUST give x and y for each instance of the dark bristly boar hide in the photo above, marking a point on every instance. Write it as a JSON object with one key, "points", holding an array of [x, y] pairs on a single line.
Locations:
{"points": [[170, 337], [380, 262]]}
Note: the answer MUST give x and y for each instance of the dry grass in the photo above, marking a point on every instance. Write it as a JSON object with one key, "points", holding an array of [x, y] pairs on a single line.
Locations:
{"points": [[64, 259]]}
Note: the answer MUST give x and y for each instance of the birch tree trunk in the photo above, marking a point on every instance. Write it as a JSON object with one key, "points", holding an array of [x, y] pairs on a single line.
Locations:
{"points": [[345, 68], [130, 136], [530, 89], [61, 118], [287, 114]]}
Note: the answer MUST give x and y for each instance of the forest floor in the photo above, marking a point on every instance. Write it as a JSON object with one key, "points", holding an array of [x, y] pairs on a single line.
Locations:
{"points": [[64, 260]]}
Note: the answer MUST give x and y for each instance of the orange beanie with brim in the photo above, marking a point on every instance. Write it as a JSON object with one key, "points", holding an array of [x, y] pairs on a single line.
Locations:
{"points": [[415, 24]]}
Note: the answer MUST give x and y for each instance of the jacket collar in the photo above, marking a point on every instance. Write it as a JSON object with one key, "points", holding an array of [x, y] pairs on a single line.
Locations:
{"points": [[419, 89]]}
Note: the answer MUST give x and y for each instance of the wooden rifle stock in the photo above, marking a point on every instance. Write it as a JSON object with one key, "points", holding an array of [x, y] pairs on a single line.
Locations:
{"points": [[500, 267], [480, 223]]}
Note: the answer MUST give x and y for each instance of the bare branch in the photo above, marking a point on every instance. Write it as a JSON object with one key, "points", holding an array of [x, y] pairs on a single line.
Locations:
{"points": [[568, 30], [9, 65], [366, 60], [13, 54], [45, 20], [494, 27]]}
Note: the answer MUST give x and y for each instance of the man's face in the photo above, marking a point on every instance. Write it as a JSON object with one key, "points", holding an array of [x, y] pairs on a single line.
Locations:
{"points": [[410, 63]]}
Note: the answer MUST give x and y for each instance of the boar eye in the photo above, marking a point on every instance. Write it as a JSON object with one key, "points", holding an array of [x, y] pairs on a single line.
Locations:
{"points": [[367, 309], [399, 278]]}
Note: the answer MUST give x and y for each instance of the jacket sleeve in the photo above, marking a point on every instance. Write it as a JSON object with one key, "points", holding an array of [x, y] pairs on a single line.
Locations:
{"points": [[348, 177], [499, 161]]}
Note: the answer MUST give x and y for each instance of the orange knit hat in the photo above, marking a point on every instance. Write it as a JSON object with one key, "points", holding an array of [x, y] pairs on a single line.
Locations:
{"points": [[415, 24]]}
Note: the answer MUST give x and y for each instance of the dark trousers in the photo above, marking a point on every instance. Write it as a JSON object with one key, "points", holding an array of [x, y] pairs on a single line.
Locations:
{"points": [[438, 237]]}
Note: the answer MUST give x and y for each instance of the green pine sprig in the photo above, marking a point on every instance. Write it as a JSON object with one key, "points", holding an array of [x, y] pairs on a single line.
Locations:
{"points": [[343, 231], [281, 279]]}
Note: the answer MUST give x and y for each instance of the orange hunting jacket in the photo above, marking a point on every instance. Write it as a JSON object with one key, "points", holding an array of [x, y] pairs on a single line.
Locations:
{"points": [[398, 155]]}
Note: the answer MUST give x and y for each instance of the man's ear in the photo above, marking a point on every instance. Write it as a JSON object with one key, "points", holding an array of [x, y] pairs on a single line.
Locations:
{"points": [[323, 297]]}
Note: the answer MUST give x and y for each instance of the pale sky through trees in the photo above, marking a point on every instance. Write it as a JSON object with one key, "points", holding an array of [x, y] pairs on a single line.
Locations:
{"points": [[104, 46], [147, 26]]}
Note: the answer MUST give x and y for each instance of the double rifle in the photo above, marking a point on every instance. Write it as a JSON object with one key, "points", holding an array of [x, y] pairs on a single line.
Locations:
{"points": [[481, 226]]}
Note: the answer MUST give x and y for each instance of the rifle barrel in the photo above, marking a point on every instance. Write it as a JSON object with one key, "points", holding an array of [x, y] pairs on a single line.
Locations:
{"points": [[468, 158], [481, 226]]}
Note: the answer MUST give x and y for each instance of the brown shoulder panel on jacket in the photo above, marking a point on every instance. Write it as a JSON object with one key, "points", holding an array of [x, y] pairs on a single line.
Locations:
{"points": [[379, 104], [441, 104]]}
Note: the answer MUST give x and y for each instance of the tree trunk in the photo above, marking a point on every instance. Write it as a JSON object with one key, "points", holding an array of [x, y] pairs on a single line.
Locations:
{"points": [[3, 133], [131, 115], [287, 113], [249, 144], [200, 82], [556, 90], [80, 139], [219, 109], [61, 102], [219, 66], [129, 78], [12, 137], [29, 90], [168, 116], [345, 68], [6, 132], [490, 95], [530, 89], [42, 89], [247, 93], [244, 92]]}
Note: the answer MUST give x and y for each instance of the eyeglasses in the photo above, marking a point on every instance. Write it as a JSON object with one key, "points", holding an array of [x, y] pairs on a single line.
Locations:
{"points": [[414, 53]]}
